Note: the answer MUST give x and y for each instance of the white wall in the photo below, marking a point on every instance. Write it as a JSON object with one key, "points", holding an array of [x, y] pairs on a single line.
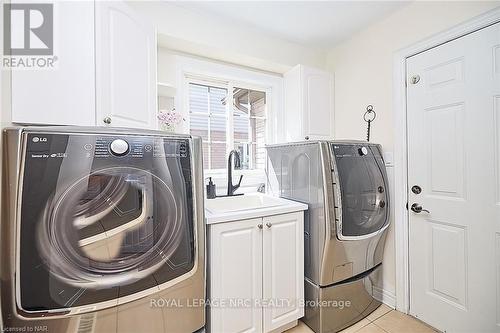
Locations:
{"points": [[363, 64], [190, 32], [363, 75]]}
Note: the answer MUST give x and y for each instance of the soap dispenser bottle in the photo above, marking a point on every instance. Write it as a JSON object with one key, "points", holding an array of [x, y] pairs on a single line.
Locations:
{"points": [[211, 189]]}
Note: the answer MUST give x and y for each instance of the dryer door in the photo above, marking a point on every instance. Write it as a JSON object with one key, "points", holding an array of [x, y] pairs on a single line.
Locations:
{"points": [[364, 199], [99, 228]]}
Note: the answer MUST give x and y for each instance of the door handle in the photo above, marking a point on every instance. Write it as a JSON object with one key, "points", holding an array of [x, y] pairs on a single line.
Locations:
{"points": [[417, 208]]}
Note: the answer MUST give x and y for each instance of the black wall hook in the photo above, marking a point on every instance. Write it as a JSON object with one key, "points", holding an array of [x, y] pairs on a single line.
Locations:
{"points": [[369, 116]]}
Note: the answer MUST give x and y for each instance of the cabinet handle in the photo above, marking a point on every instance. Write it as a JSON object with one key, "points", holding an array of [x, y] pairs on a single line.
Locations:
{"points": [[259, 225], [269, 224], [107, 120], [307, 137]]}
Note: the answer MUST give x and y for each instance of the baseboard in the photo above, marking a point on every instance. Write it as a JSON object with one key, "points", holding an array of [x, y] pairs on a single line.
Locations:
{"points": [[286, 327], [384, 296]]}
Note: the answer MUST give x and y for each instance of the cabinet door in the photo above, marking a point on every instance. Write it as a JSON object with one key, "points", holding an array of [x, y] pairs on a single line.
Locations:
{"points": [[126, 67], [317, 98], [236, 276], [283, 265], [293, 110], [64, 95]]}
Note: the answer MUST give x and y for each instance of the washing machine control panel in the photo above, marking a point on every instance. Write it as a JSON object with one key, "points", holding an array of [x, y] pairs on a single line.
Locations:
{"points": [[56, 146], [138, 147], [119, 147]]}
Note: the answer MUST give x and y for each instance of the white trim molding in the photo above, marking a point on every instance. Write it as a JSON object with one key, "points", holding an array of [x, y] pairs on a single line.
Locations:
{"points": [[384, 296], [402, 299]]}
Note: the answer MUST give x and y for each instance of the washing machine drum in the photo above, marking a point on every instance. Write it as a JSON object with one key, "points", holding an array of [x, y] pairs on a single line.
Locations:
{"points": [[110, 228]]}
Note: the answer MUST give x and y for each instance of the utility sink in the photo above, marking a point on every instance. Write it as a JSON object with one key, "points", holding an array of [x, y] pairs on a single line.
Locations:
{"points": [[241, 202], [224, 209]]}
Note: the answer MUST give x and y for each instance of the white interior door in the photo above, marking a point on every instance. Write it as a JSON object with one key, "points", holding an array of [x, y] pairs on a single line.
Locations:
{"points": [[454, 156], [125, 67]]}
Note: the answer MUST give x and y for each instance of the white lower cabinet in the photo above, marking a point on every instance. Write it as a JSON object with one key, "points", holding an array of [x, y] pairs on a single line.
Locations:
{"points": [[256, 274], [283, 269], [235, 274]]}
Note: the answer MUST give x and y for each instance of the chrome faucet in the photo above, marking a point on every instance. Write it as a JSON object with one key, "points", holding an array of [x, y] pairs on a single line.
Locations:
{"points": [[237, 165]]}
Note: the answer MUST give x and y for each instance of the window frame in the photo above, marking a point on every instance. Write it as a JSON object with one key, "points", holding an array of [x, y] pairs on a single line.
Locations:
{"points": [[229, 85], [252, 141]]}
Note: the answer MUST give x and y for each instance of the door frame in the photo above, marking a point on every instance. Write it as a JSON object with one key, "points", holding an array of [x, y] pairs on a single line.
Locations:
{"points": [[400, 199]]}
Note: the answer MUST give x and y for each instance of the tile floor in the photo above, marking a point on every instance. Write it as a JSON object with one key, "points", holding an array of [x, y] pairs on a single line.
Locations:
{"points": [[382, 320]]}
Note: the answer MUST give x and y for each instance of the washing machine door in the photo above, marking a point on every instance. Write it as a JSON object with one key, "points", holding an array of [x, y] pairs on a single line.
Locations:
{"points": [[364, 197], [104, 220]]}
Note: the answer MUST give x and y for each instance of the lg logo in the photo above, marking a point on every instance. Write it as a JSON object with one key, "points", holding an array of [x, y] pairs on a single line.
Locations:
{"points": [[28, 29], [37, 139]]}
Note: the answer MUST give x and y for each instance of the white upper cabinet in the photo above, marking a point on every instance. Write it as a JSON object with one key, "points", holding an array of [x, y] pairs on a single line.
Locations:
{"points": [[125, 67], [105, 72], [64, 95], [308, 104]]}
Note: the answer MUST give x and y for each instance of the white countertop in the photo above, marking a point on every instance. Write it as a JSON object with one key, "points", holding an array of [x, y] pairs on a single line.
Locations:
{"points": [[248, 206]]}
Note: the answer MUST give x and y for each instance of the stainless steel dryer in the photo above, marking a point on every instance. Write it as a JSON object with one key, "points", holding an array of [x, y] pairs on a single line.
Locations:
{"points": [[345, 186], [102, 231]]}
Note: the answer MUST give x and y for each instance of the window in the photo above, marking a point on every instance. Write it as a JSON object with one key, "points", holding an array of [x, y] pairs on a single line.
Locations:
{"points": [[208, 119], [229, 118], [249, 119]]}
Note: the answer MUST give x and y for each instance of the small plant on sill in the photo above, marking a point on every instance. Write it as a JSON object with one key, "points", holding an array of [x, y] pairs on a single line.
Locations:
{"points": [[169, 120]]}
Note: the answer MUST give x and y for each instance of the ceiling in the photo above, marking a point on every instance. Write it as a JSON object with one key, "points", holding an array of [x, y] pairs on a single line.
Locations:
{"points": [[311, 23]]}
